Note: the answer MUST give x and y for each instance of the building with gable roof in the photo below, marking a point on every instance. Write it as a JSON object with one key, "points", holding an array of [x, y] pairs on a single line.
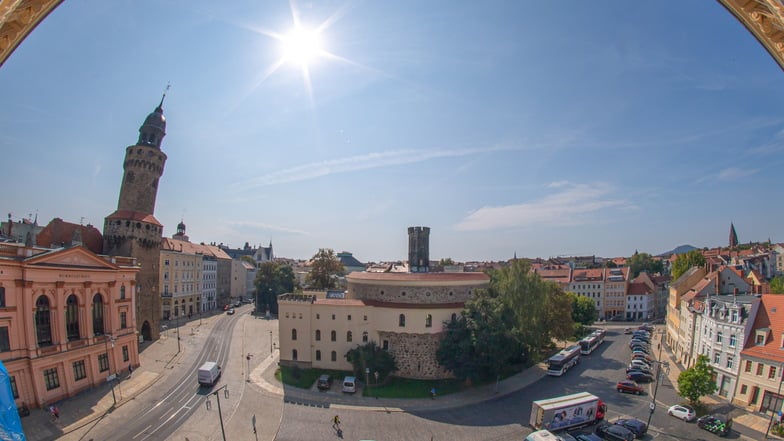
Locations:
{"points": [[677, 289], [722, 324], [59, 233], [761, 367], [67, 320]]}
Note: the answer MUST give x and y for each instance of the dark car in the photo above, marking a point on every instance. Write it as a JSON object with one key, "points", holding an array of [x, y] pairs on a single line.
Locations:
{"points": [[617, 318], [324, 382], [640, 347], [564, 436], [643, 357], [587, 437], [629, 386], [636, 426], [639, 377], [718, 424], [612, 432]]}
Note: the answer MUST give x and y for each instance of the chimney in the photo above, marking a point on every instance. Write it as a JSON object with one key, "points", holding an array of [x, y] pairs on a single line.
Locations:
{"points": [[735, 291]]}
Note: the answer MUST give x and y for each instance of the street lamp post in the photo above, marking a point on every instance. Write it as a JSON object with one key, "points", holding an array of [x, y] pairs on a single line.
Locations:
{"points": [[178, 330], [271, 348], [220, 415]]}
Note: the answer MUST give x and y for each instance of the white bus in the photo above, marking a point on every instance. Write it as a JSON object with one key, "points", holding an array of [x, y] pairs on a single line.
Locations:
{"points": [[563, 361], [590, 343]]}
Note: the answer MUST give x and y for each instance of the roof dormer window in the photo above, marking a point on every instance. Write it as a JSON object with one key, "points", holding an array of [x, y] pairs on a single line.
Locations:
{"points": [[760, 335]]}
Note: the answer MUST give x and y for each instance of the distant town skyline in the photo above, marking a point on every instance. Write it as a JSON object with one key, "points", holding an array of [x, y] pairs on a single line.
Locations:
{"points": [[512, 129]]}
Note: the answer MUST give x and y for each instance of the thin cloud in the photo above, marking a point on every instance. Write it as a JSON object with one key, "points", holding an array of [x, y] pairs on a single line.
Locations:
{"points": [[568, 206], [266, 227], [315, 170], [733, 173], [775, 145]]}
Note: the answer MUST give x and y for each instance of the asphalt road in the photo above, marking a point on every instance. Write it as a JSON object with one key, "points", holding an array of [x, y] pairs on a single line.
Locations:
{"points": [[505, 418]]}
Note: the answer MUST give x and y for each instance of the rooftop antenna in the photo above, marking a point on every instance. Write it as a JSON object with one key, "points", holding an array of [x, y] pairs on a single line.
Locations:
{"points": [[168, 86]]}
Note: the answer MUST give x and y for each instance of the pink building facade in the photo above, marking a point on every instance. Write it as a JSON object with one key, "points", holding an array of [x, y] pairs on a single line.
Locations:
{"points": [[67, 320]]}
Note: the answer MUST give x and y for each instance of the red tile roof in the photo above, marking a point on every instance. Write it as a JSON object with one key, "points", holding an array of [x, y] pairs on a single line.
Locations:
{"points": [[419, 277], [770, 315], [59, 232], [134, 215], [638, 288]]}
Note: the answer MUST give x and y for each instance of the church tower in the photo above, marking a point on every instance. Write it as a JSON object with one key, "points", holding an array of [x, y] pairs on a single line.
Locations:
{"points": [[133, 230]]}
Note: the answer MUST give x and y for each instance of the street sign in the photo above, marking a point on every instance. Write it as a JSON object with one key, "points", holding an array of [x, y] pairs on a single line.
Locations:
{"points": [[652, 407]]}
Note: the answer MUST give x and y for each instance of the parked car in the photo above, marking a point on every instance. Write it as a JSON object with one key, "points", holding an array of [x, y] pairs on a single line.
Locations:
{"points": [[644, 357], [639, 352], [639, 377], [564, 436], [630, 387], [612, 432], [639, 346], [230, 311], [646, 327], [324, 382], [637, 427], [617, 318], [627, 331], [718, 424], [644, 370], [640, 363], [587, 437], [686, 413]]}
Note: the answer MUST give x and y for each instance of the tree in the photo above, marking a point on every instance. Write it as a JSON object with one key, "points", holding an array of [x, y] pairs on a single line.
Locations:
{"points": [[370, 356], [644, 262], [686, 261], [777, 285], [248, 259], [559, 313], [481, 343], [272, 279], [697, 381], [583, 310], [324, 269], [526, 295], [446, 262]]}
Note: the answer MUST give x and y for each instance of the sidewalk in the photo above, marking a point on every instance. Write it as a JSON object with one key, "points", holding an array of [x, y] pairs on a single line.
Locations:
{"points": [[749, 424], [264, 377], [156, 358]]}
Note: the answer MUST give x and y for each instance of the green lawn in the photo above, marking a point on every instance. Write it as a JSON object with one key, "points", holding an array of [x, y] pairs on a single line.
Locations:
{"points": [[304, 378]]}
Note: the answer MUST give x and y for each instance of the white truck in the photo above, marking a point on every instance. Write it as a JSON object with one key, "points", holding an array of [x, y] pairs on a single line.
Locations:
{"points": [[567, 412], [209, 373]]}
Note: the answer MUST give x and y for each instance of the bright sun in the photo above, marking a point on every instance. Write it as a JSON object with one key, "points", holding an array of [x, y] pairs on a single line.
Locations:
{"points": [[301, 46]]}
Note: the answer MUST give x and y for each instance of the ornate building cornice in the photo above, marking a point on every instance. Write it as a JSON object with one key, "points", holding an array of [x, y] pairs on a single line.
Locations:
{"points": [[17, 19], [765, 20]]}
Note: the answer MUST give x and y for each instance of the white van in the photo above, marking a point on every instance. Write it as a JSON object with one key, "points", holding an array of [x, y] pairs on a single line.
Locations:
{"points": [[542, 435], [209, 373], [349, 385]]}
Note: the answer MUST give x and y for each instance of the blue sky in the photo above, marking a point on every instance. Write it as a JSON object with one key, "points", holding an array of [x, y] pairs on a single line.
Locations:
{"points": [[538, 128]]}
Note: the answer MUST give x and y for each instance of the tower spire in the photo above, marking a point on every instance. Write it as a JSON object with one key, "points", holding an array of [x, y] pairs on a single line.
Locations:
{"points": [[160, 106], [733, 236]]}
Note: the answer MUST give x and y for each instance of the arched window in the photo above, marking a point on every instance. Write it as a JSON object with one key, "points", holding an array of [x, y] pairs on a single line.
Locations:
{"points": [[97, 314], [402, 320], [318, 355], [72, 317], [122, 291], [293, 334], [43, 321], [364, 337], [349, 336], [318, 334], [334, 336], [334, 356], [428, 321], [294, 354]]}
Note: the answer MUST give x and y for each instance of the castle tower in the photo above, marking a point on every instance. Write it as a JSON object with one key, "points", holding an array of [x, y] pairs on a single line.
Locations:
{"points": [[133, 230], [418, 249]]}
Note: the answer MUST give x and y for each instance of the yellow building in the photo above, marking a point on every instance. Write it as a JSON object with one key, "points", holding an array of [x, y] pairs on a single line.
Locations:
{"points": [[181, 278]]}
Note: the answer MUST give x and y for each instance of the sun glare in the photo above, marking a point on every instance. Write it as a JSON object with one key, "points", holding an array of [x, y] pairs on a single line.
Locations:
{"points": [[301, 46]]}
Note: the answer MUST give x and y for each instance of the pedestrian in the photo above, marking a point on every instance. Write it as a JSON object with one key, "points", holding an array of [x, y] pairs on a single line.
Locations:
{"points": [[130, 370], [54, 412], [336, 423], [432, 393]]}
